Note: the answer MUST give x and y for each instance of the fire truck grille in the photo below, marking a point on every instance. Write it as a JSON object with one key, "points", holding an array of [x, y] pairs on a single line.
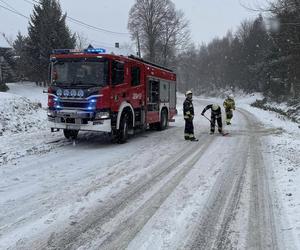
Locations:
{"points": [[73, 120], [79, 105]]}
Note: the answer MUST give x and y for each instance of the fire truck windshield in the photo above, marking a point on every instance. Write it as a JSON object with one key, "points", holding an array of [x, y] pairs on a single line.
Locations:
{"points": [[80, 73]]}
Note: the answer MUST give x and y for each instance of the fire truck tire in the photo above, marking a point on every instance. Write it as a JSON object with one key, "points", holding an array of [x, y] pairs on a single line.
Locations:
{"points": [[122, 134], [163, 120], [70, 134]]}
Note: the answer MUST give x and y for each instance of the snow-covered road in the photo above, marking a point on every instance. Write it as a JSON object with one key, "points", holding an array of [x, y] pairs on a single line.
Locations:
{"points": [[155, 192]]}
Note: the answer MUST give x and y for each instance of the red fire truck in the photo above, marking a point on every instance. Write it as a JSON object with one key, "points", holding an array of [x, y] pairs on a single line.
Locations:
{"points": [[92, 90]]}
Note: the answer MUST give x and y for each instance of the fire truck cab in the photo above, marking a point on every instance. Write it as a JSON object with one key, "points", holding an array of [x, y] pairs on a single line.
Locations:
{"points": [[92, 90]]}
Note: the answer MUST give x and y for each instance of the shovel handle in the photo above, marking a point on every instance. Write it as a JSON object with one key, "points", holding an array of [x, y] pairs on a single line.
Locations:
{"points": [[207, 118]]}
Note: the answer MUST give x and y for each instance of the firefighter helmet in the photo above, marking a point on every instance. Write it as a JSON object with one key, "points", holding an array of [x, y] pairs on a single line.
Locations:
{"points": [[215, 107], [189, 92]]}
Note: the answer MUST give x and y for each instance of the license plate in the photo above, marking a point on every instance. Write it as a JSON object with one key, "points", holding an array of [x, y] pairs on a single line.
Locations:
{"points": [[72, 127]]}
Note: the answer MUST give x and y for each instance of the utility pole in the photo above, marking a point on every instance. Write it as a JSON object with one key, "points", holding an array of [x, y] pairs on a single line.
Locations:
{"points": [[1, 75], [138, 44], [1, 70]]}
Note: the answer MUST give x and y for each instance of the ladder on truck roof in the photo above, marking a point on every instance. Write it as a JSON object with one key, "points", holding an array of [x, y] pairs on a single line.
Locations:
{"points": [[150, 63]]}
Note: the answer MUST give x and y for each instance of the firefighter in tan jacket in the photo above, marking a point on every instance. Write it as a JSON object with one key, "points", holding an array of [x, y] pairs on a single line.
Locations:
{"points": [[229, 106]]}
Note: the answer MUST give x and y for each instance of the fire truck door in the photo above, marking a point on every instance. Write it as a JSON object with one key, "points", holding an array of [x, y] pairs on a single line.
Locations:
{"points": [[119, 90], [164, 92], [153, 95]]}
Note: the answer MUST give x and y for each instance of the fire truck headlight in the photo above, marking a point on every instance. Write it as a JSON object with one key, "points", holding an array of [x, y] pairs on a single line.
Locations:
{"points": [[102, 115], [66, 92], [59, 92], [80, 93], [73, 93], [50, 113]]}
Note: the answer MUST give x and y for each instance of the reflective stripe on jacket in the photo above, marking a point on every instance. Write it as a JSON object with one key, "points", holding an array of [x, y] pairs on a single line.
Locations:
{"points": [[229, 104], [188, 109]]}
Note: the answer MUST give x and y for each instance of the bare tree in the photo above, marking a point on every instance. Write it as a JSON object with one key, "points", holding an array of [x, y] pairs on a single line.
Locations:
{"points": [[81, 41], [158, 27], [175, 34]]}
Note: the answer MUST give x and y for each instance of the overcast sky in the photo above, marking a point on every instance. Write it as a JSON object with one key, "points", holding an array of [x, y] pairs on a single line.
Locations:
{"points": [[208, 18]]}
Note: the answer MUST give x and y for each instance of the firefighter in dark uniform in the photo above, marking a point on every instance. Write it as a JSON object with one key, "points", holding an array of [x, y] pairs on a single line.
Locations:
{"points": [[188, 113], [216, 115]]}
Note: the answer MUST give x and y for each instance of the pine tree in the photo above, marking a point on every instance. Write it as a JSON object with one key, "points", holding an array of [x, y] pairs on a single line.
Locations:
{"points": [[19, 46], [47, 31], [287, 39]]}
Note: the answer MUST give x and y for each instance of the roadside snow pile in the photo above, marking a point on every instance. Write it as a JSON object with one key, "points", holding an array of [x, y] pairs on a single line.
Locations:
{"points": [[30, 91], [19, 114], [289, 109]]}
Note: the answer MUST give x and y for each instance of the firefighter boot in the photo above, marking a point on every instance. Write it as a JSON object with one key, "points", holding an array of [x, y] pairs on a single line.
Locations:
{"points": [[186, 137], [228, 117], [192, 137]]}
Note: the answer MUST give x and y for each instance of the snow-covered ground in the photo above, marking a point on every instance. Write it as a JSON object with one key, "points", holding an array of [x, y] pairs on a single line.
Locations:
{"points": [[22, 109], [281, 150], [23, 123], [30, 91], [155, 192], [281, 147]]}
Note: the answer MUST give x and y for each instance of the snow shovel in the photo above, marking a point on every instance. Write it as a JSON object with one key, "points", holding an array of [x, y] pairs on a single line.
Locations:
{"points": [[223, 133]]}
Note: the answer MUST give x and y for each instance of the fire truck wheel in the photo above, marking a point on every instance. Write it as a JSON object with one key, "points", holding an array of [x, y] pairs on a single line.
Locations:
{"points": [[70, 134], [123, 130], [163, 120]]}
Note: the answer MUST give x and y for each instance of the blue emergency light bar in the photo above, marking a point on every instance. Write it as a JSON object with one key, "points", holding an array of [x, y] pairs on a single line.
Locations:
{"points": [[95, 50], [70, 51]]}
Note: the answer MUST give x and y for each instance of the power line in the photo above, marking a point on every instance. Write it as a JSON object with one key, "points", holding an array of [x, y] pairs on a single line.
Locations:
{"points": [[15, 12], [28, 1], [96, 28], [84, 24], [9, 6]]}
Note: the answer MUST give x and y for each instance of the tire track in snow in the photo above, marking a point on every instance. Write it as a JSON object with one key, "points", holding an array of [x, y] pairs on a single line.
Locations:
{"points": [[215, 228], [263, 233], [120, 238], [90, 226]]}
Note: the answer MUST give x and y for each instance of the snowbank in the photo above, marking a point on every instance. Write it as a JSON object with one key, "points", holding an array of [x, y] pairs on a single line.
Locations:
{"points": [[290, 110], [19, 114], [30, 91]]}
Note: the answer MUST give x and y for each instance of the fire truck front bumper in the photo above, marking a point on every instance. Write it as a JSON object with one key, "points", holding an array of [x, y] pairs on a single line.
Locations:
{"points": [[101, 125], [78, 121]]}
